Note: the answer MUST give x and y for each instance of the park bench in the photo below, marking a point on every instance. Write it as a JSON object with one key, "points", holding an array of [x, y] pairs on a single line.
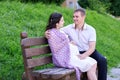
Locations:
{"points": [[36, 53]]}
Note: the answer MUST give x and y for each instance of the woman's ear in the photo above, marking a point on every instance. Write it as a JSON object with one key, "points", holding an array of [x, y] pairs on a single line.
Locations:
{"points": [[56, 24]]}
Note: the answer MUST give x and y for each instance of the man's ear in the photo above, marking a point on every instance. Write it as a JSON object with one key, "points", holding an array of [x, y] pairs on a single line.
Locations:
{"points": [[84, 16]]}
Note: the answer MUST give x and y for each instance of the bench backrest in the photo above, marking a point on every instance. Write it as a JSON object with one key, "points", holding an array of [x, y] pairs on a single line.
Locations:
{"points": [[35, 51]]}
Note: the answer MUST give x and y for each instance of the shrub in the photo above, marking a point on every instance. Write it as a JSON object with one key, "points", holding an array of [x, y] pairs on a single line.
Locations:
{"points": [[58, 2], [83, 3], [95, 5], [115, 7]]}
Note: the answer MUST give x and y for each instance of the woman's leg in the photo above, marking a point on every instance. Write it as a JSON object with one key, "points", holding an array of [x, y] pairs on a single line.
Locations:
{"points": [[92, 73]]}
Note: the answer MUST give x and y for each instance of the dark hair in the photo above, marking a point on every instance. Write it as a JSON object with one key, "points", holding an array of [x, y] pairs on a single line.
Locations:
{"points": [[83, 12], [53, 19]]}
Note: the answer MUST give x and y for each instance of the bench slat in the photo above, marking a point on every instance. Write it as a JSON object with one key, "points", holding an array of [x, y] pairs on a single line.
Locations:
{"points": [[37, 51], [38, 61], [33, 41], [62, 73], [45, 70], [57, 73], [54, 73]]}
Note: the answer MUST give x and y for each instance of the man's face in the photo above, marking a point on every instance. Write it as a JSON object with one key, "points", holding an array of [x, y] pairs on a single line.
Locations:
{"points": [[77, 18]]}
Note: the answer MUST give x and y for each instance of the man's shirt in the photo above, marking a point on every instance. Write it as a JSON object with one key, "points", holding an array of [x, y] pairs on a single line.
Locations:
{"points": [[80, 37]]}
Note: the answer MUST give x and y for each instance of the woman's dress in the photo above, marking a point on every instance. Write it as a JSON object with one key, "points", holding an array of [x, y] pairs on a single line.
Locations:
{"points": [[83, 64]]}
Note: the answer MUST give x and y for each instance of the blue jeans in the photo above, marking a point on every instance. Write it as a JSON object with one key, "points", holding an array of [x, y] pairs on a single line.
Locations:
{"points": [[101, 64]]}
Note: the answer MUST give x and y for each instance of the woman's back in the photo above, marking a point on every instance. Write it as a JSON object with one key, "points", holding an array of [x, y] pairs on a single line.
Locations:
{"points": [[59, 45]]}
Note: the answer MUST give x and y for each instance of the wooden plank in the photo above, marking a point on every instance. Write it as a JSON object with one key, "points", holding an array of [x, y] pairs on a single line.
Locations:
{"points": [[45, 70], [57, 73], [47, 75], [29, 52], [33, 41], [62, 73], [38, 61]]}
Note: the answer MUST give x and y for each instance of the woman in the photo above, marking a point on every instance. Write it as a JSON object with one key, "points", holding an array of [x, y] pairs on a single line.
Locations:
{"points": [[65, 53]]}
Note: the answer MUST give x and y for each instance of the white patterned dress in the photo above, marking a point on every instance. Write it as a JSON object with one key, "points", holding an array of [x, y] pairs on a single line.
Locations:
{"points": [[83, 64]]}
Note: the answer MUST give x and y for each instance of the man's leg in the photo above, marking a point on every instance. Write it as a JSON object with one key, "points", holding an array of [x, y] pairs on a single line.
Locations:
{"points": [[102, 65]]}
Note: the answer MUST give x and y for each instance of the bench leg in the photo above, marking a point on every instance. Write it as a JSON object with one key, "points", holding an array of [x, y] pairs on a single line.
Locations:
{"points": [[84, 76], [67, 77]]}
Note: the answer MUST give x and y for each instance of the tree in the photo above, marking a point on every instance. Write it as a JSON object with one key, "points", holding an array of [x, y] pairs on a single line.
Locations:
{"points": [[115, 7]]}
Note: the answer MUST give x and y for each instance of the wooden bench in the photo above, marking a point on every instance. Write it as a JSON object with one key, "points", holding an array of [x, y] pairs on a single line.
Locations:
{"points": [[36, 53]]}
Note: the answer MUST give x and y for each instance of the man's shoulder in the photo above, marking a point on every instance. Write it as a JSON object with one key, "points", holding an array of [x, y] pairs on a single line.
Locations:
{"points": [[89, 26], [67, 27], [70, 25]]}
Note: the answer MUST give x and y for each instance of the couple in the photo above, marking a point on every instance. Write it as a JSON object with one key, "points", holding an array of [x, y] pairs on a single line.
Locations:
{"points": [[71, 46]]}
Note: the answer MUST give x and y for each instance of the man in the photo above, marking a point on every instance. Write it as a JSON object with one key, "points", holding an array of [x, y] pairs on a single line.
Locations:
{"points": [[84, 36]]}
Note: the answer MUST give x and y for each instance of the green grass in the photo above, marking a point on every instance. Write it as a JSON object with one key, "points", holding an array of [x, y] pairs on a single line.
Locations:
{"points": [[16, 17]]}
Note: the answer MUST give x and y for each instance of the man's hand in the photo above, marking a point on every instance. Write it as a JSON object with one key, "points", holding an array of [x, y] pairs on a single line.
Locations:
{"points": [[72, 42], [82, 56], [47, 34]]}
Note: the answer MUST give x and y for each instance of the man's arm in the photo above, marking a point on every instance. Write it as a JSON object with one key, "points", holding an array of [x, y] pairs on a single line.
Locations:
{"points": [[91, 43], [91, 49], [47, 34]]}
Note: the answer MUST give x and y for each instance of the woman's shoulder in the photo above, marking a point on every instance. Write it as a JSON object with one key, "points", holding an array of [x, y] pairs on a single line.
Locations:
{"points": [[52, 30]]}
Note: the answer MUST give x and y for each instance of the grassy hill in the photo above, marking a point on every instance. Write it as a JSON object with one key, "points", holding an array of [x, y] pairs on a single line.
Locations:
{"points": [[17, 17]]}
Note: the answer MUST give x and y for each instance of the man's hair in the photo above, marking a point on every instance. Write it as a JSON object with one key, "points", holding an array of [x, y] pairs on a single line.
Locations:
{"points": [[83, 12]]}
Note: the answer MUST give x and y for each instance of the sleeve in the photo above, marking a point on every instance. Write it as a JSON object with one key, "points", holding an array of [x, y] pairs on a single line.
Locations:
{"points": [[92, 35], [65, 29], [56, 43]]}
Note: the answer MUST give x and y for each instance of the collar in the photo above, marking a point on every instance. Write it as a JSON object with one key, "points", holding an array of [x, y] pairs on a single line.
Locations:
{"points": [[84, 26]]}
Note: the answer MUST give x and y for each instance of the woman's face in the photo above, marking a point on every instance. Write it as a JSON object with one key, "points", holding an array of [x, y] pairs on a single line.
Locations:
{"points": [[61, 23]]}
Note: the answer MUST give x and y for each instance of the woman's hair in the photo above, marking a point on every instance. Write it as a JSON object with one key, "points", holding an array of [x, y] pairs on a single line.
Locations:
{"points": [[53, 19]]}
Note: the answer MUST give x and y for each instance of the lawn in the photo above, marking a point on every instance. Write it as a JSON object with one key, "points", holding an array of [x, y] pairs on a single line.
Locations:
{"points": [[16, 17]]}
